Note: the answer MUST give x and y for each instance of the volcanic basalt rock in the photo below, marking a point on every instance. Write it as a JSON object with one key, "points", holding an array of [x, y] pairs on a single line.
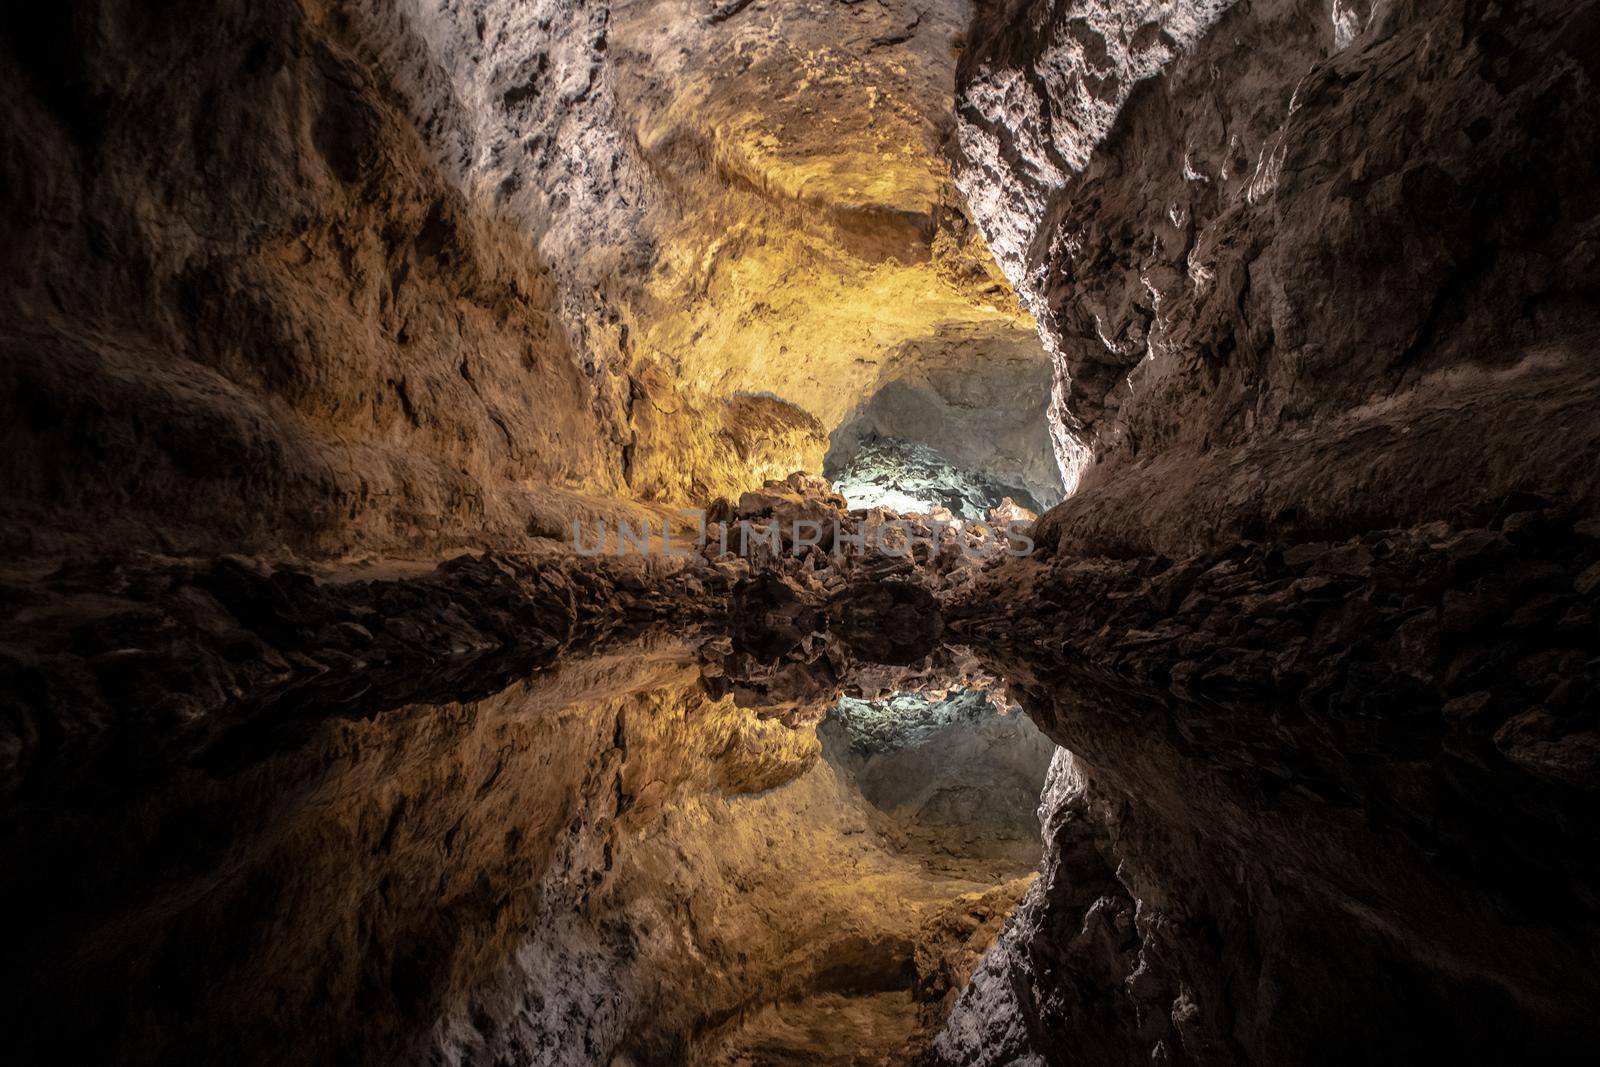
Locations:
{"points": [[134, 651], [1312, 625], [1306, 281], [332, 331], [744, 201]]}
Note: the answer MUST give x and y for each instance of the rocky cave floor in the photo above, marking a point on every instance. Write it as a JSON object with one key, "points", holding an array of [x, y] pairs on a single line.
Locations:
{"points": [[645, 810]]}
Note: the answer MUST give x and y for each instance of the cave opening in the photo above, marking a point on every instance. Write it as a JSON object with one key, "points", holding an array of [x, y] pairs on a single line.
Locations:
{"points": [[902, 476]]}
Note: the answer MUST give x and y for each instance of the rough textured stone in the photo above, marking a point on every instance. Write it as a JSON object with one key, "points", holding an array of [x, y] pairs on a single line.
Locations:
{"points": [[1321, 274], [745, 200], [402, 277], [294, 285]]}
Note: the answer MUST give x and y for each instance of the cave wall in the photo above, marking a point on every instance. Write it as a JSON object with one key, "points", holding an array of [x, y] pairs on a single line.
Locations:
{"points": [[1309, 270], [994, 422], [1316, 623], [776, 212], [399, 276], [244, 307]]}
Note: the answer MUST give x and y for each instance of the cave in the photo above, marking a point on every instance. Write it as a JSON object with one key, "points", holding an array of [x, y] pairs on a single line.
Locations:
{"points": [[746, 533]]}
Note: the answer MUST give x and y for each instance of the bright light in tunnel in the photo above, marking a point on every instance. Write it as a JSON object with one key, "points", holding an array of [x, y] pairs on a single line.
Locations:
{"points": [[859, 494], [910, 477], [905, 719]]}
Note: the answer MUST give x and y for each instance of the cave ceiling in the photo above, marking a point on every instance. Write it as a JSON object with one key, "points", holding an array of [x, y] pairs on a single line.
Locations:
{"points": [[772, 186]]}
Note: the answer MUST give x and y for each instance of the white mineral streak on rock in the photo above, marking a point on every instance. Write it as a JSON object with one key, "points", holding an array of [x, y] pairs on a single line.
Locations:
{"points": [[1268, 166], [1348, 22], [1072, 454]]}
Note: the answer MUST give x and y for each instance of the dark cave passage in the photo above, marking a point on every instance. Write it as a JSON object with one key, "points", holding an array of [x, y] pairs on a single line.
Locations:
{"points": [[1099, 512]]}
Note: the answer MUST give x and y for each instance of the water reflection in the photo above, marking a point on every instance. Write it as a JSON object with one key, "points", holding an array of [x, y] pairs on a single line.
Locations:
{"points": [[608, 856]]}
